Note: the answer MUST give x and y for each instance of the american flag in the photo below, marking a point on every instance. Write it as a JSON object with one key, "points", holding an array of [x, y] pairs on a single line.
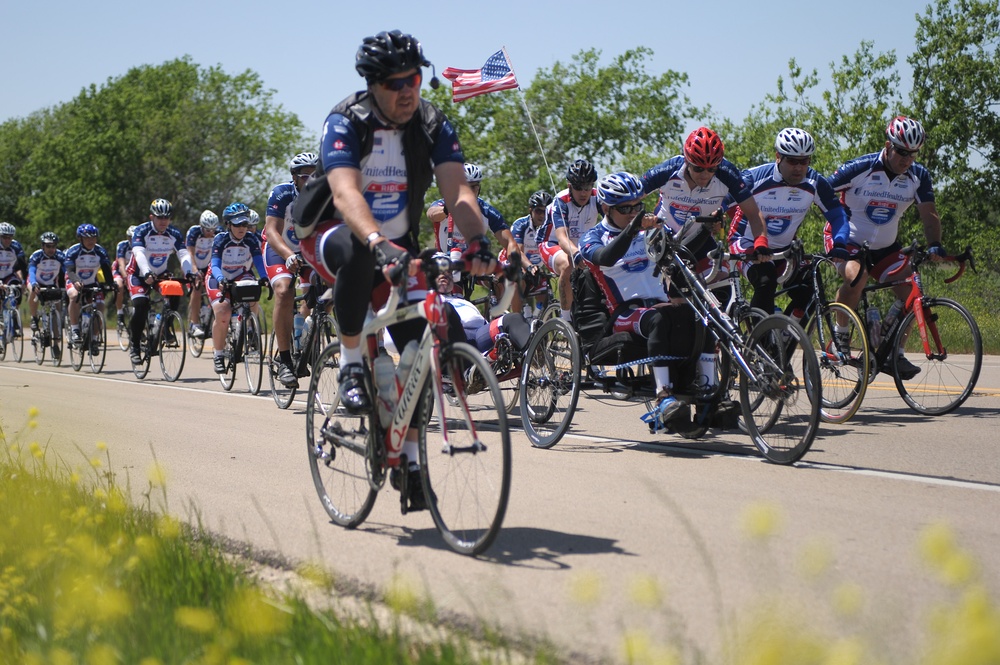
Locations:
{"points": [[495, 75]]}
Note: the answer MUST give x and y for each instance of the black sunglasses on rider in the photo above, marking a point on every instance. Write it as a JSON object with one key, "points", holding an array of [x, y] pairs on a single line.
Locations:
{"points": [[905, 153], [629, 209], [586, 187], [411, 81], [702, 169]]}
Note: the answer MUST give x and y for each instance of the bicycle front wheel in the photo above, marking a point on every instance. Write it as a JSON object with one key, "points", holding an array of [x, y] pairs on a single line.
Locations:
{"points": [[173, 342], [77, 352], [253, 354], [466, 477], [785, 388], [550, 383], [121, 331], [16, 335], [949, 361], [843, 361], [38, 345], [339, 446], [97, 344], [281, 394]]}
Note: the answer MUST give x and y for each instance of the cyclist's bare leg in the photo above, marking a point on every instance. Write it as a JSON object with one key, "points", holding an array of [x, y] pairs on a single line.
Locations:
{"points": [[194, 304], [223, 313], [284, 310], [564, 271]]}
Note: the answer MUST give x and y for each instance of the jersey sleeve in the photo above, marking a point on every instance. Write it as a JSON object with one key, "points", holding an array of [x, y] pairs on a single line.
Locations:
{"points": [[339, 145], [447, 147], [493, 217]]}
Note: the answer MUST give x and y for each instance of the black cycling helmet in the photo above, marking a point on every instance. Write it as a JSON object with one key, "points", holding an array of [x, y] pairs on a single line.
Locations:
{"points": [[49, 238], [581, 172], [388, 53], [539, 199]]}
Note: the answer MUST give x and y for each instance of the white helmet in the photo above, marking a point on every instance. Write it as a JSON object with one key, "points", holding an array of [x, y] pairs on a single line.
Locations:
{"points": [[905, 133], [209, 221], [794, 142], [473, 173], [130, 231], [302, 160], [254, 218], [7, 229]]}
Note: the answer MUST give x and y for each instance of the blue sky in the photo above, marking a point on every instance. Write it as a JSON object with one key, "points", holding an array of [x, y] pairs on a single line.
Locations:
{"points": [[732, 53]]}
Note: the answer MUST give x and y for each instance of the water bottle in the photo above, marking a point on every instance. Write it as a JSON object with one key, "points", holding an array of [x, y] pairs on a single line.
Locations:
{"points": [[306, 330], [297, 324], [206, 312], [455, 255], [385, 381], [157, 321], [891, 316], [406, 360], [85, 321], [875, 326]]}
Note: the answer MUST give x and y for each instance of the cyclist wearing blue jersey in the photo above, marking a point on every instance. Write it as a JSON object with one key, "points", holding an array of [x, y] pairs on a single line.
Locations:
{"points": [[784, 190], [13, 262], [123, 254], [448, 238], [82, 263], [525, 231], [283, 260], [380, 149], [45, 269], [876, 190], [199, 241]]}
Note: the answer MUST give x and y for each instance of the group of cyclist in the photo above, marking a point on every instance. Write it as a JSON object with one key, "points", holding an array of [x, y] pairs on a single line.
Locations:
{"points": [[380, 149]]}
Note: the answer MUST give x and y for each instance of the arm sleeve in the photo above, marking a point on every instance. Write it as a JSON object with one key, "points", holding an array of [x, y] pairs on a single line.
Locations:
{"points": [[141, 260], [610, 254]]}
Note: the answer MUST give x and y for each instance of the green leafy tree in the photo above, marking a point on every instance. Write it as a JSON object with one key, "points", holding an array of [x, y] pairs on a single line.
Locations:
{"points": [[198, 137]]}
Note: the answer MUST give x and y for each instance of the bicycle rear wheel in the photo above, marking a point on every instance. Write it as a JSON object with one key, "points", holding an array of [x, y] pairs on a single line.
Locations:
{"points": [[121, 332], [197, 344], [97, 343], [949, 365], [786, 390], [228, 378], [281, 394], [16, 335], [339, 446], [843, 366], [253, 354], [550, 383], [466, 477], [77, 352], [173, 342], [38, 345]]}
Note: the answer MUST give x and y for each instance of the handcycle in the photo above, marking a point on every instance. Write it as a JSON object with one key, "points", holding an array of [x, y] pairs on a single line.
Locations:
{"points": [[163, 335], [49, 334], [843, 359], [11, 331], [244, 340], [779, 382], [93, 330], [942, 326], [318, 332], [466, 479]]}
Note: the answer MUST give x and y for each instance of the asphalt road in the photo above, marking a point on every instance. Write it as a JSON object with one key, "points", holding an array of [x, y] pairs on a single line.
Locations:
{"points": [[609, 512]]}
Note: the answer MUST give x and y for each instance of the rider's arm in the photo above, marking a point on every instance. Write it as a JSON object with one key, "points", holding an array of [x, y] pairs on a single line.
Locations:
{"points": [[273, 227], [931, 221], [609, 254], [345, 183], [458, 196], [437, 213], [565, 244], [141, 260]]}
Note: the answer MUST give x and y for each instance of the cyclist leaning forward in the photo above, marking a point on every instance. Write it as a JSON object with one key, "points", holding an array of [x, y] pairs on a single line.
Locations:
{"points": [[377, 199]]}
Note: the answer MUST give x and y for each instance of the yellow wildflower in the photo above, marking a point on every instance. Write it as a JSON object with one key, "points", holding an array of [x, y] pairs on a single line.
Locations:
{"points": [[157, 475], [196, 619], [585, 587], [848, 599], [761, 520], [645, 591], [251, 614]]}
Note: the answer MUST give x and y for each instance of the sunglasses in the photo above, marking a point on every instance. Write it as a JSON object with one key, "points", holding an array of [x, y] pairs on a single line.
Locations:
{"points": [[395, 85], [160, 218], [586, 187], [629, 209], [905, 153], [48, 246], [702, 169], [796, 161], [540, 211], [301, 174]]}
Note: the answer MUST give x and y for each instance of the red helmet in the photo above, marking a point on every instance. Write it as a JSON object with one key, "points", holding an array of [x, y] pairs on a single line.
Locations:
{"points": [[704, 148]]}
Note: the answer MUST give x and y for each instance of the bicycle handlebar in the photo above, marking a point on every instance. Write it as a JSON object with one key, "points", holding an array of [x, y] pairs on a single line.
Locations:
{"points": [[793, 253]]}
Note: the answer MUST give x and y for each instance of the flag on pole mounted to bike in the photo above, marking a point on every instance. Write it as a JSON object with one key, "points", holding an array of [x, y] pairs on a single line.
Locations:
{"points": [[495, 75]]}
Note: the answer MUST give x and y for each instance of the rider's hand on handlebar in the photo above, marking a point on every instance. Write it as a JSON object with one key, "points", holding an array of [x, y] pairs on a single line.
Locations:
{"points": [[478, 257], [392, 260], [839, 251], [761, 249], [936, 251], [292, 263]]}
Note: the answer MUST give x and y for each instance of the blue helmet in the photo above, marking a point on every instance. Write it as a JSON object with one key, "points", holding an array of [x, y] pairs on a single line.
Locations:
{"points": [[236, 213], [617, 188], [87, 231]]}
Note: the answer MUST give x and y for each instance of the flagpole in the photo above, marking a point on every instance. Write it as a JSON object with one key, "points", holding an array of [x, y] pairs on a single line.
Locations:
{"points": [[531, 122]]}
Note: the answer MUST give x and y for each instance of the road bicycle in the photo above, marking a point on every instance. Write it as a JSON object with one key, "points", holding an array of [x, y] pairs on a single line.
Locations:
{"points": [[318, 332], [465, 474], [11, 331], [244, 341], [938, 335], [49, 334], [123, 324], [843, 358], [779, 381], [163, 335], [206, 319], [93, 330]]}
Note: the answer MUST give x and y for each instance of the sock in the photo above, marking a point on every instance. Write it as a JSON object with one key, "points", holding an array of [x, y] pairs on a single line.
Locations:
{"points": [[566, 315], [412, 451], [350, 356], [662, 377]]}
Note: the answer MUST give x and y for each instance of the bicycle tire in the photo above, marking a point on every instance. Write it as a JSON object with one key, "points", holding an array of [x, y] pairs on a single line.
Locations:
{"points": [[56, 346], [122, 331], [551, 311], [98, 335], [281, 394], [843, 371], [338, 446], [465, 481], [142, 369], [228, 378], [786, 420], [550, 383], [37, 344], [77, 352], [253, 354], [17, 338], [173, 343], [944, 381]]}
